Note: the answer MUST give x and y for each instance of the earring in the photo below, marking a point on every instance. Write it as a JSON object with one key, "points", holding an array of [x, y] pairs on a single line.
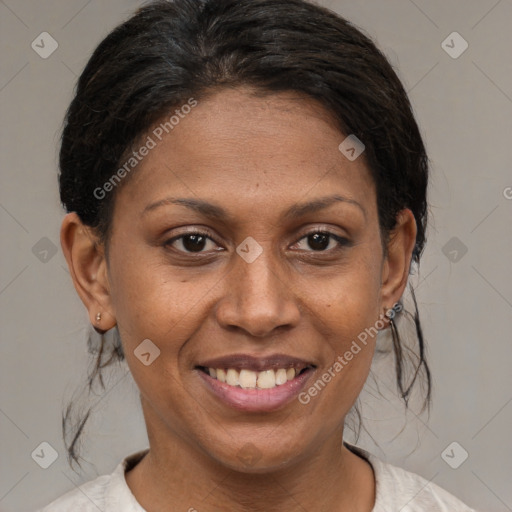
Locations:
{"points": [[98, 320]]}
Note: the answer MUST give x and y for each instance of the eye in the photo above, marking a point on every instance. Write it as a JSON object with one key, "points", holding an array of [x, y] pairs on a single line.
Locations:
{"points": [[322, 241], [192, 242], [197, 242]]}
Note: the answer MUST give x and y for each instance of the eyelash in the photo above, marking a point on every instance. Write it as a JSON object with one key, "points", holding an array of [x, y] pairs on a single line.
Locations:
{"points": [[342, 241]]}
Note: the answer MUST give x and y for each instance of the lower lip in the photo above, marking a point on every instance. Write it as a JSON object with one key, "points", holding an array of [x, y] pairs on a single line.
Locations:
{"points": [[254, 399]]}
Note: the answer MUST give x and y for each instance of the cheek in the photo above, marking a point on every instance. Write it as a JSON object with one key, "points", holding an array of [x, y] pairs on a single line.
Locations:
{"points": [[348, 301], [151, 298], [153, 302], [347, 315]]}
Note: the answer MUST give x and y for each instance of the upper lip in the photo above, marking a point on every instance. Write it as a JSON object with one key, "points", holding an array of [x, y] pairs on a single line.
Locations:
{"points": [[257, 364]]}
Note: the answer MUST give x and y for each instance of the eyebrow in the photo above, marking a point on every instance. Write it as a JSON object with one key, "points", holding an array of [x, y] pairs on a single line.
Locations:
{"points": [[216, 212]]}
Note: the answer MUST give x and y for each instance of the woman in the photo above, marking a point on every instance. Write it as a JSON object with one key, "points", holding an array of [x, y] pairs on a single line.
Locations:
{"points": [[246, 188]]}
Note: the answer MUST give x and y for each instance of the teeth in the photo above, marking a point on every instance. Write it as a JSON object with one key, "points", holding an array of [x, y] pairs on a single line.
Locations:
{"points": [[267, 379], [281, 377], [232, 377], [248, 379]]}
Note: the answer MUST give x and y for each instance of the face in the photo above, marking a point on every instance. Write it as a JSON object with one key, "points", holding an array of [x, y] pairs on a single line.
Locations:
{"points": [[246, 247]]}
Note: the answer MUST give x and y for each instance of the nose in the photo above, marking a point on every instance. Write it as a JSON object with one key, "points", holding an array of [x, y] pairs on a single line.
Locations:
{"points": [[258, 299]]}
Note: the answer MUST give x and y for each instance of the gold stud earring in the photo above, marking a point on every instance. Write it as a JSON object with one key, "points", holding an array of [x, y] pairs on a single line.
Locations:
{"points": [[98, 317]]}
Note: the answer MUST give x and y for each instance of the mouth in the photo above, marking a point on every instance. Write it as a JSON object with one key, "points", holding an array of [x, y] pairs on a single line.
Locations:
{"points": [[255, 384]]}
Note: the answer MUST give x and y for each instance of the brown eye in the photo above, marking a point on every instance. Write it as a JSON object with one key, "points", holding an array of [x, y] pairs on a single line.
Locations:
{"points": [[321, 241], [191, 242], [318, 241]]}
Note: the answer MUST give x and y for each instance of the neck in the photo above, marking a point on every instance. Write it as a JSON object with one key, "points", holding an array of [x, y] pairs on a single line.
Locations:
{"points": [[174, 472]]}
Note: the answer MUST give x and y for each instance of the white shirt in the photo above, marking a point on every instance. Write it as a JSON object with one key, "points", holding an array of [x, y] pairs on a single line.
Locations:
{"points": [[396, 490]]}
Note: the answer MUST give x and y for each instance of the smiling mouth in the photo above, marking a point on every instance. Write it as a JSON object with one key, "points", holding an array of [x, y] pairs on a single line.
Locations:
{"points": [[249, 379], [255, 383]]}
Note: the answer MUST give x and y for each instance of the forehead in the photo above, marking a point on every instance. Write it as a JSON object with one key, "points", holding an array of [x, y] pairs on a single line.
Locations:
{"points": [[250, 153]]}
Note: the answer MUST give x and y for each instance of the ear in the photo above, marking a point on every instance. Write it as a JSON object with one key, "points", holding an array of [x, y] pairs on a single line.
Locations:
{"points": [[88, 268], [395, 268]]}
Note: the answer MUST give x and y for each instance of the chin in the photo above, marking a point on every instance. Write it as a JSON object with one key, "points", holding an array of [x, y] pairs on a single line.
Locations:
{"points": [[253, 457]]}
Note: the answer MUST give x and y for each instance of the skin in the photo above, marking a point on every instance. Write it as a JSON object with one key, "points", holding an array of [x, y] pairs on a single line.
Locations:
{"points": [[255, 157]]}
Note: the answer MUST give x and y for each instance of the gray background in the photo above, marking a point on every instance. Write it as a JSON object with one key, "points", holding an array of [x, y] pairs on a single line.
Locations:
{"points": [[464, 108]]}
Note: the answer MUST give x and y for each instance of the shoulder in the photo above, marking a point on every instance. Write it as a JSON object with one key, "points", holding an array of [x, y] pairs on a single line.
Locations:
{"points": [[88, 497], [398, 489], [107, 493]]}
